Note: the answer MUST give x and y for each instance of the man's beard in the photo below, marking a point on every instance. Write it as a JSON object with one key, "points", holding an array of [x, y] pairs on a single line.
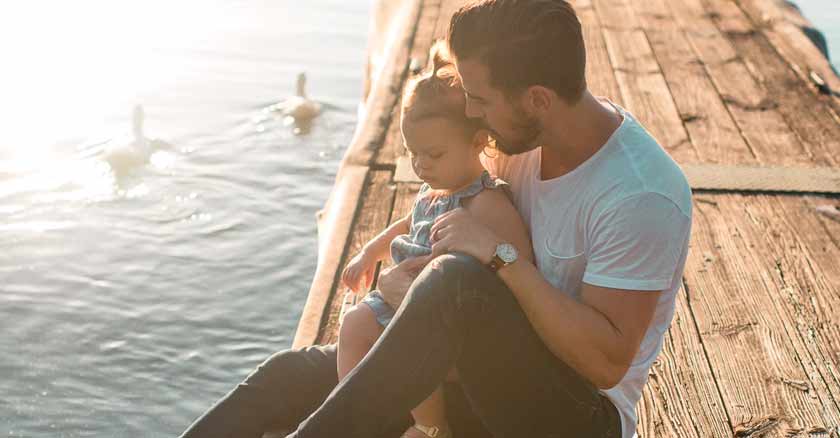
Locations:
{"points": [[527, 128]]}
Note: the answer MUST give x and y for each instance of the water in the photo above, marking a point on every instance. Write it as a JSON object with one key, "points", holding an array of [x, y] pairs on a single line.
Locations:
{"points": [[129, 305], [825, 16]]}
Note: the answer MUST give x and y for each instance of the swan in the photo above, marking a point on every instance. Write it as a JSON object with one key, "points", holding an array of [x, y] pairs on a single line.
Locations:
{"points": [[299, 106], [122, 156]]}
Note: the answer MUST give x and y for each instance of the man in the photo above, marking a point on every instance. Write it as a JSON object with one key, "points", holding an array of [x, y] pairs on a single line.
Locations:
{"points": [[557, 348]]}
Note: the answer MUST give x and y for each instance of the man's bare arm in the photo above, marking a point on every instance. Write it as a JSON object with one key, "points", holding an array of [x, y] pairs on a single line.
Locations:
{"points": [[598, 336]]}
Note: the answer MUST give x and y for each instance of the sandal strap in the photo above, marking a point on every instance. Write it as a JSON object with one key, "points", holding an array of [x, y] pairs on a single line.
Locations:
{"points": [[431, 431]]}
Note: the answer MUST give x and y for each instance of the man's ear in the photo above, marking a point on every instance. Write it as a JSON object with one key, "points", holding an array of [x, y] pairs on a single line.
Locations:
{"points": [[539, 98]]}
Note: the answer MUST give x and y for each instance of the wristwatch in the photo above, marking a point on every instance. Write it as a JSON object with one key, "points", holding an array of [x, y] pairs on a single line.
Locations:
{"points": [[505, 255]]}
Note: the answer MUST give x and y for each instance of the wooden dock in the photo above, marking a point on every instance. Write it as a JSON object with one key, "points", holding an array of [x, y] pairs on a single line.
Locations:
{"points": [[754, 347]]}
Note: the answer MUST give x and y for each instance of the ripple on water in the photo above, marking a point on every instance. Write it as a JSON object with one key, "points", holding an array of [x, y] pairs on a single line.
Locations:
{"points": [[129, 305]]}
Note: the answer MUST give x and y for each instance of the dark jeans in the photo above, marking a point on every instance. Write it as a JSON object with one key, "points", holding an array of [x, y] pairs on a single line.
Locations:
{"points": [[457, 313]]}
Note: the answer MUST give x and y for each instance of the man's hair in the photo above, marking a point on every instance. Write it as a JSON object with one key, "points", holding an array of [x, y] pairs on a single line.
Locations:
{"points": [[523, 43]]}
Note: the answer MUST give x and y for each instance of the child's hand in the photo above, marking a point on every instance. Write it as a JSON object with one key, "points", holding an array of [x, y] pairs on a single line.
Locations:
{"points": [[358, 273]]}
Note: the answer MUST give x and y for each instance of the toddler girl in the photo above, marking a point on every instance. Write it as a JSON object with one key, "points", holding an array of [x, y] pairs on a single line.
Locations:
{"points": [[444, 147]]}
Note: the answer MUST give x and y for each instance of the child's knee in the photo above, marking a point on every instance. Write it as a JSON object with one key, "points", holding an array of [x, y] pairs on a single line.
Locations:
{"points": [[359, 326]]}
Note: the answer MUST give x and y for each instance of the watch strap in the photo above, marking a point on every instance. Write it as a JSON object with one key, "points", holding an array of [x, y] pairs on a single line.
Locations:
{"points": [[496, 263]]}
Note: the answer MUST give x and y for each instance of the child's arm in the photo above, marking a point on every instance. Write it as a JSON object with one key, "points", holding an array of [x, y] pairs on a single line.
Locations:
{"points": [[358, 273], [380, 246]]}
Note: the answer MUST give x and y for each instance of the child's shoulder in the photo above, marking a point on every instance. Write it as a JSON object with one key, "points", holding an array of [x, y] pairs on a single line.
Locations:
{"points": [[489, 200]]}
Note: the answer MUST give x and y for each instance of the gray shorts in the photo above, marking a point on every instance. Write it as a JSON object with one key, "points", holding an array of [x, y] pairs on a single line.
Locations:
{"points": [[383, 311]]}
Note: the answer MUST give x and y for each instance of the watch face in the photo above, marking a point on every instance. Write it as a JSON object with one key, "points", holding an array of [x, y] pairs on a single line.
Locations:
{"points": [[506, 252]]}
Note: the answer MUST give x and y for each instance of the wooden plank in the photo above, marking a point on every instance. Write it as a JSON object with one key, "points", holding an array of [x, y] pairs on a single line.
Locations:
{"points": [[781, 23], [406, 192], [765, 130], [374, 214], [447, 9], [439, 15], [332, 235], [600, 77], [386, 89], [766, 179], [808, 301], [419, 56], [765, 377], [680, 398], [429, 18], [829, 216], [643, 88], [710, 126], [811, 120], [336, 216], [807, 264]]}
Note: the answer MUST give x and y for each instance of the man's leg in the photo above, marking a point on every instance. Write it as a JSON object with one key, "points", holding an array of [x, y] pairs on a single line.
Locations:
{"points": [[281, 392], [458, 313], [513, 382]]}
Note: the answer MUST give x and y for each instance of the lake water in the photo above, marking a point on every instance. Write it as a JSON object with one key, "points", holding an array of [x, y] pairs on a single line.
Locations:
{"points": [[128, 306], [825, 16]]}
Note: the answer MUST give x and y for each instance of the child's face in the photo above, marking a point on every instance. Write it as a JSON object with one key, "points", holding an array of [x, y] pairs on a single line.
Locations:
{"points": [[440, 154]]}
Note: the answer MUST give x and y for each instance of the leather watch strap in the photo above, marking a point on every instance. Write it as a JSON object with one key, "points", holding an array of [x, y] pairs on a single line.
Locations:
{"points": [[496, 263]]}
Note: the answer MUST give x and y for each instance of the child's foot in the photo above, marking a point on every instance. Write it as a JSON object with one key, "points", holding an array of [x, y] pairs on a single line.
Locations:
{"points": [[420, 431]]}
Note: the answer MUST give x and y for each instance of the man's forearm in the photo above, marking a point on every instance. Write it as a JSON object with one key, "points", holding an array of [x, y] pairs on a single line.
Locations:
{"points": [[576, 333]]}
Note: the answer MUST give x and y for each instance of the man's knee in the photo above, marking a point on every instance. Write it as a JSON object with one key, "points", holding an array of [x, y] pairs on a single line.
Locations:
{"points": [[306, 365], [457, 277]]}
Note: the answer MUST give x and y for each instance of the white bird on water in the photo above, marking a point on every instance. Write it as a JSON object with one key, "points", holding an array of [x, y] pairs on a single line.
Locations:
{"points": [[299, 107], [123, 156]]}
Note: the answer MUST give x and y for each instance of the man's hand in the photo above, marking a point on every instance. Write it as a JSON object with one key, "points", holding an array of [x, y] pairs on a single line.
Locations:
{"points": [[457, 230], [394, 282]]}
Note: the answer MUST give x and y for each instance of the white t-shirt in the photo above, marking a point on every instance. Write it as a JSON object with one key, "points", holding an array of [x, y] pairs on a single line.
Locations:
{"points": [[621, 219]]}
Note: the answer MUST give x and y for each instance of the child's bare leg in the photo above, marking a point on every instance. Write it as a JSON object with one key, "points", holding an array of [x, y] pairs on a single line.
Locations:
{"points": [[430, 412], [358, 332]]}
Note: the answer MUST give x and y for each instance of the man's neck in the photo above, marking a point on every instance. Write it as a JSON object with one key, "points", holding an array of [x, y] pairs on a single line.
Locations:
{"points": [[575, 134]]}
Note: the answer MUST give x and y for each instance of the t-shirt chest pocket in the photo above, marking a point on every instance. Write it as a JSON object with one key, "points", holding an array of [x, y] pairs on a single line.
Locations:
{"points": [[562, 258]]}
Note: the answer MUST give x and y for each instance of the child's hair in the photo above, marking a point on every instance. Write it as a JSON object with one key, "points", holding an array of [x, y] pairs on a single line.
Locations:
{"points": [[436, 92]]}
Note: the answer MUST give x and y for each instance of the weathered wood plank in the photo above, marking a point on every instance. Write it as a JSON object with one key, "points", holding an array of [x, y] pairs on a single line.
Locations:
{"points": [[758, 363], [332, 237], [447, 9], [780, 22], [373, 217], [762, 178], [806, 261], [681, 398], [419, 56], [767, 133], [600, 77], [808, 301], [343, 202], [385, 91], [406, 192], [710, 126], [829, 217], [442, 10], [754, 348], [643, 88], [812, 121]]}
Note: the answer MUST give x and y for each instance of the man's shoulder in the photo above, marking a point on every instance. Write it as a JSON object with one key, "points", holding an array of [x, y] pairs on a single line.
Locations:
{"points": [[641, 168]]}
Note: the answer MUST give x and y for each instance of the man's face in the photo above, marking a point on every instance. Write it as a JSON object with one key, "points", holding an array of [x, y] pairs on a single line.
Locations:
{"points": [[513, 128]]}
